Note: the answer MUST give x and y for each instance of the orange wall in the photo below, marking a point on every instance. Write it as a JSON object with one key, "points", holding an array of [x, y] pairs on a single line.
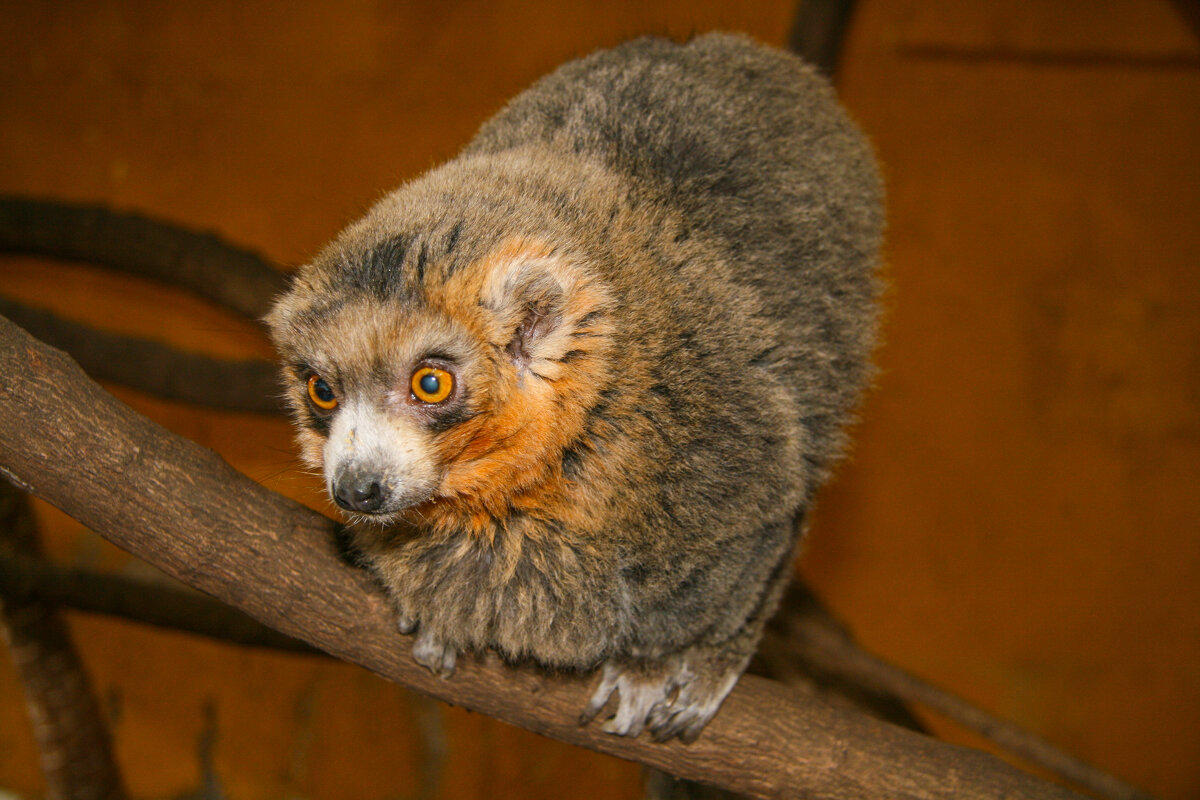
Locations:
{"points": [[1019, 522]]}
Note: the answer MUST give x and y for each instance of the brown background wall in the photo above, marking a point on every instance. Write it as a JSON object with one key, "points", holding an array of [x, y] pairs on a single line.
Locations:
{"points": [[1020, 519]]}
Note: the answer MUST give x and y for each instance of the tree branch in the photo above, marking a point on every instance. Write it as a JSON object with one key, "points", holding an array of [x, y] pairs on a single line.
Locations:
{"points": [[838, 659], [185, 510], [164, 604], [71, 731], [818, 30], [152, 367], [201, 263]]}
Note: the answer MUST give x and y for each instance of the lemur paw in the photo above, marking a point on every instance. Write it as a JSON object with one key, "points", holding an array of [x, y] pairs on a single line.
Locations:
{"points": [[668, 698], [405, 624], [695, 703], [432, 653]]}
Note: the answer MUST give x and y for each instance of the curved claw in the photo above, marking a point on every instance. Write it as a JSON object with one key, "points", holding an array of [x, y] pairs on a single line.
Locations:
{"points": [[668, 698], [599, 698], [406, 624], [696, 704], [432, 653]]}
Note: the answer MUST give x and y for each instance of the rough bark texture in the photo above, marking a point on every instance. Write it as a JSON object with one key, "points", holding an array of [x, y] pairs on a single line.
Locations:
{"points": [[185, 510]]}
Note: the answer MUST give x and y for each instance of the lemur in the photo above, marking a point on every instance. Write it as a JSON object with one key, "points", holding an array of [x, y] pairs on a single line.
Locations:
{"points": [[575, 389]]}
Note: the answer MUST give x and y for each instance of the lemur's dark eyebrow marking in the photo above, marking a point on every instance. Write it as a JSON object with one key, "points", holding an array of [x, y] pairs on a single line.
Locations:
{"points": [[299, 369], [376, 271]]}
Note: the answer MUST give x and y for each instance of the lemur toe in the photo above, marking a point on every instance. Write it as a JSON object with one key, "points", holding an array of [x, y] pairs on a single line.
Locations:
{"points": [[433, 654]]}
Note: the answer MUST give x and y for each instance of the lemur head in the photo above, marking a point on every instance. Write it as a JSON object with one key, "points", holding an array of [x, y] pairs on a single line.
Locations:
{"points": [[444, 384]]}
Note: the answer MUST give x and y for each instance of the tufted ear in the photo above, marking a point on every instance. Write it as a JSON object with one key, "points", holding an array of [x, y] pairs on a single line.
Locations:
{"points": [[538, 299]]}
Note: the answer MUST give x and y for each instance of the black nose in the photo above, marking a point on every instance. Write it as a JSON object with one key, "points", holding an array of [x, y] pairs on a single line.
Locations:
{"points": [[358, 492]]}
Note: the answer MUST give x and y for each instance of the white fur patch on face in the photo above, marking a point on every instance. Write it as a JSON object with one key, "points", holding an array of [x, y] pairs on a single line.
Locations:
{"points": [[366, 444]]}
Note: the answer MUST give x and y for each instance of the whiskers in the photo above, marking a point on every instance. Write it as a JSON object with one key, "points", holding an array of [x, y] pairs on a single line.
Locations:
{"points": [[286, 471], [380, 521]]}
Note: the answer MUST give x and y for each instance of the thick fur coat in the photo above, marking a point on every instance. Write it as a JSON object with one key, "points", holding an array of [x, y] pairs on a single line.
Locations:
{"points": [[645, 295]]}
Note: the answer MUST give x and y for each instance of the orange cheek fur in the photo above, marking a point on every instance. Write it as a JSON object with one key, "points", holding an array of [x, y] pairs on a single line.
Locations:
{"points": [[507, 459], [509, 455]]}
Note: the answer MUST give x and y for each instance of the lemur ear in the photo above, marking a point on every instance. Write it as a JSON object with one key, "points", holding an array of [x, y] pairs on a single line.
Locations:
{"points": [[538, 299]]}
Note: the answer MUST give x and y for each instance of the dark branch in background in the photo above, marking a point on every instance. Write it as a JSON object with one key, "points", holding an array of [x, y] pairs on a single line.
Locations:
{"points": [[805, 640], [801, 615], [70, 730], [1189, 12], [155, 368], [818, 31], [73, 739], [201, 263], [185, 510], [166, 605]]}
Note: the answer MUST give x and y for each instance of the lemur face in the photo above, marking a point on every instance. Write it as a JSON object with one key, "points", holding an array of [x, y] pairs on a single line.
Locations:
{"points": [[451, 391], [374, 388], [377, 455]]}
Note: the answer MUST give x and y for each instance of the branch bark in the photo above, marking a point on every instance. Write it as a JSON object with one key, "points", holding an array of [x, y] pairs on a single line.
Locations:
{"points": [[185, 510]]}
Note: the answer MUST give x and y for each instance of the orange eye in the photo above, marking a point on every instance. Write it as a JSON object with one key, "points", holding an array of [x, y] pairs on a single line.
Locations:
{"points": [[431, 385], [320, 394]]}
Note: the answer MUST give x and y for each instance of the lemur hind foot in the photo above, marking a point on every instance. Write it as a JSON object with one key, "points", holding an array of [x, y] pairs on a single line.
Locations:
{"points": [[676, 696]]}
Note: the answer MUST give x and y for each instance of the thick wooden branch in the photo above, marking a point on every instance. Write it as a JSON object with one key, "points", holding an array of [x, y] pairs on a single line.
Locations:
{"points": [[182, 508]]}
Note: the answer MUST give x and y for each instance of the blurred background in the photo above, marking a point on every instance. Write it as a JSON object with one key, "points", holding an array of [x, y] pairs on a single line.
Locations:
{"points": [[1019, 521]]}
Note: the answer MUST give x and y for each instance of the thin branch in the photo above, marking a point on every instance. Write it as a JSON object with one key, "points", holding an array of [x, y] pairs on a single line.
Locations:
{"points": [[71, 731], [837, 653], [185, 510], [201, 263], [777, 658], [818, 30], [165, 605], [155, 368]]}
